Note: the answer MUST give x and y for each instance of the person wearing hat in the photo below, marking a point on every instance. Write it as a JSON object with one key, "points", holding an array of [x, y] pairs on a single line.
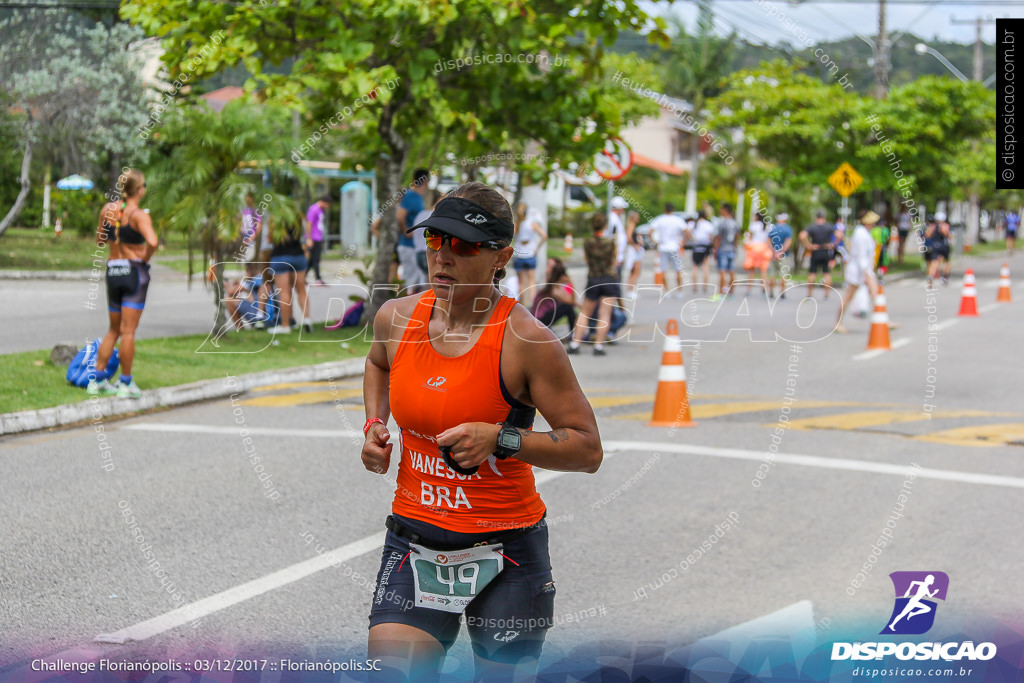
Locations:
{"points": [[859, 264], [464, 370]]}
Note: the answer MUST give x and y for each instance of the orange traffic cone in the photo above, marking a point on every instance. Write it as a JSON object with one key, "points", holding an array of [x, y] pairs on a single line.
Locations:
{"points": [[671, 403], [567, 243], [969, 299], [1004, 285], [659, 277], [878, 338]]}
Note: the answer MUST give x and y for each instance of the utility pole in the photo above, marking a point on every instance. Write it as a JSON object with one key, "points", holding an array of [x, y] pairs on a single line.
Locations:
{"points": [[973, 225], [881, 55], [979, 60]]}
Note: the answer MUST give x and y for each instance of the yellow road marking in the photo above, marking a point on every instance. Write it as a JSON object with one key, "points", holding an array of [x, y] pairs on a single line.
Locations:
{"points": [[612, 401], [876, 418], [302, 398], [983, 435], [299, 385]]}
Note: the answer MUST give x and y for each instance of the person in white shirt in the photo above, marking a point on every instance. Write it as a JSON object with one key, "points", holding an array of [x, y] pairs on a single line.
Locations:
{"points": [[860, 264], [700, 236], [668, 231], [528, 239], [617, 231]]}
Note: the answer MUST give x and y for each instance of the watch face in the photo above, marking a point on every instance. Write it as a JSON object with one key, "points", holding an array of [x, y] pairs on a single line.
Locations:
{"points": [[510, 439]]}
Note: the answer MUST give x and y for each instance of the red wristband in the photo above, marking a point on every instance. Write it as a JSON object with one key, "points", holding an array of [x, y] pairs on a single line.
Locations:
{"points": [[369, 423]]}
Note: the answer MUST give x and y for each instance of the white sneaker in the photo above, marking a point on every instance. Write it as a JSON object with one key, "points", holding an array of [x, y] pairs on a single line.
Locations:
{"points": [[130, 390], [101, 388], [280, 329]]}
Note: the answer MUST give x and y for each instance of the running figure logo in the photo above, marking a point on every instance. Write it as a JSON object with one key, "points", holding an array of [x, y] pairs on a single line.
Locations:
{"points": [[914, 612]]}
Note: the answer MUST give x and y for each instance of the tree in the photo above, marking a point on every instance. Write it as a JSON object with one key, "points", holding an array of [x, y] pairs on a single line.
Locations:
{"points": [[694, 70], [212, 160], [77, 91], [796, 125], [404, 71]]}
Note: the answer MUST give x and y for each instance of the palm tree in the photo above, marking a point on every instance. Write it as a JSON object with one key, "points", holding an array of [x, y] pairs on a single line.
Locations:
{"points": [[693, 71], [211, 160]]}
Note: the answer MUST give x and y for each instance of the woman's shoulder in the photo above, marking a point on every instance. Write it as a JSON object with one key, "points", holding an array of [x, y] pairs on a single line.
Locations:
{"points": [[526, 329]]}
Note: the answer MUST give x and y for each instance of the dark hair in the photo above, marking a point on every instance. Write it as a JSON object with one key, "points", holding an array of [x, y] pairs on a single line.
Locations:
{"points": [[326, 198], [726, 206], [558, 271], [598, 222], [490, 199], [669, 207], [421, 175]]}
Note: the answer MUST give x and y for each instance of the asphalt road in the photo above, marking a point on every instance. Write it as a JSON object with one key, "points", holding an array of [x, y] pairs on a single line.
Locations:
{"points": [[624, 541]]}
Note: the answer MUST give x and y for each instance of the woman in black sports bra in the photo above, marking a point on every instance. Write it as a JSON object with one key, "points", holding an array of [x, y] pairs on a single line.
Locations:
{"points": [[129, 232]]}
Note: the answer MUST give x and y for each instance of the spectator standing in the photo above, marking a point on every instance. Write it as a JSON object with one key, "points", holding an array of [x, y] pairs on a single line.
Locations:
{"points": [[617, 232], [1012, 222], [780, 238], [758, 251], [634, 261], [408, 209], [817, 241], [602, 287], [315, 235], [726, 235], [529, 238], [667, 231], [701, 236]]}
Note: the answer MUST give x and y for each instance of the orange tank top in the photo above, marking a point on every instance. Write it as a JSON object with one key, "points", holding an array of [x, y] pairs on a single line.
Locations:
{"points": [[430, 393]]}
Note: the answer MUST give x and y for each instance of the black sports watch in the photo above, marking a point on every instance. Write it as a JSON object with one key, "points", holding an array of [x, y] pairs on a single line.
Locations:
{"points": [[509, 442]]}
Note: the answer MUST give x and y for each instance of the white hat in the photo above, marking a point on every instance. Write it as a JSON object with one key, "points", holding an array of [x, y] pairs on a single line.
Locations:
{"points": [[782, 217], [619, 203], [940, 216]]}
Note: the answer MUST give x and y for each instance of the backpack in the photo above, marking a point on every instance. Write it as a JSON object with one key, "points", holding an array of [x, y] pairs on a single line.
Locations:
{"points": [[83, 366], [353, 315]]}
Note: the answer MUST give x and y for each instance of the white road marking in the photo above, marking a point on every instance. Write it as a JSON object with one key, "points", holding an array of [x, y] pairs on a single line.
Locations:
{"points": [[947, 323], [233, 431], [251, 589], [815, 461], [989, 307], [233, 596], [867, 355]]}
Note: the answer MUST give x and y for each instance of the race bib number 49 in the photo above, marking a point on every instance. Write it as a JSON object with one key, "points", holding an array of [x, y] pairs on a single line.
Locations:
{"points": [[449, 580]]}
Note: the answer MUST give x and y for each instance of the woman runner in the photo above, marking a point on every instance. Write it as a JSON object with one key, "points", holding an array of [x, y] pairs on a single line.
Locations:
{"points": [[463, 370]]}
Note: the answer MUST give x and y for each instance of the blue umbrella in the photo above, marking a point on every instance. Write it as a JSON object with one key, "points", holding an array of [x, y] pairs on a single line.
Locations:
{"points": [[74, 182]]}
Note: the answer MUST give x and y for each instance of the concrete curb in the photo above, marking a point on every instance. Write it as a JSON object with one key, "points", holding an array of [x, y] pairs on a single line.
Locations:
{"points": [[50, 274], [95, 409]]}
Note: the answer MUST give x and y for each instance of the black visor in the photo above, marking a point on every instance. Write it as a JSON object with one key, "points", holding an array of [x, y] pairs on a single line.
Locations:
{"points": [[464, 219]]}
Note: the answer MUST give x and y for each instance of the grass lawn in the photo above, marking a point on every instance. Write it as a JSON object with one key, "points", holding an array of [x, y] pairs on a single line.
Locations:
{"points": [[36, 383], [32, 249]]}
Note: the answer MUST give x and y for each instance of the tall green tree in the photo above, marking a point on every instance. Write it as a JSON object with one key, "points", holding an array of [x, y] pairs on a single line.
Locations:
{"points": [[77, 91], [484, 74], [212, 159], [798, 128]]}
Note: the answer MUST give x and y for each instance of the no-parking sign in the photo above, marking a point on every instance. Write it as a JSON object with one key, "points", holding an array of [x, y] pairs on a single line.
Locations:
{"points": [[614, 161]]}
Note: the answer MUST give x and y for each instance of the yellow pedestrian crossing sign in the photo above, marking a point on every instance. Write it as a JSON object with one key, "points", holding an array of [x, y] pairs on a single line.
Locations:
{"points": [[845, 180]]}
